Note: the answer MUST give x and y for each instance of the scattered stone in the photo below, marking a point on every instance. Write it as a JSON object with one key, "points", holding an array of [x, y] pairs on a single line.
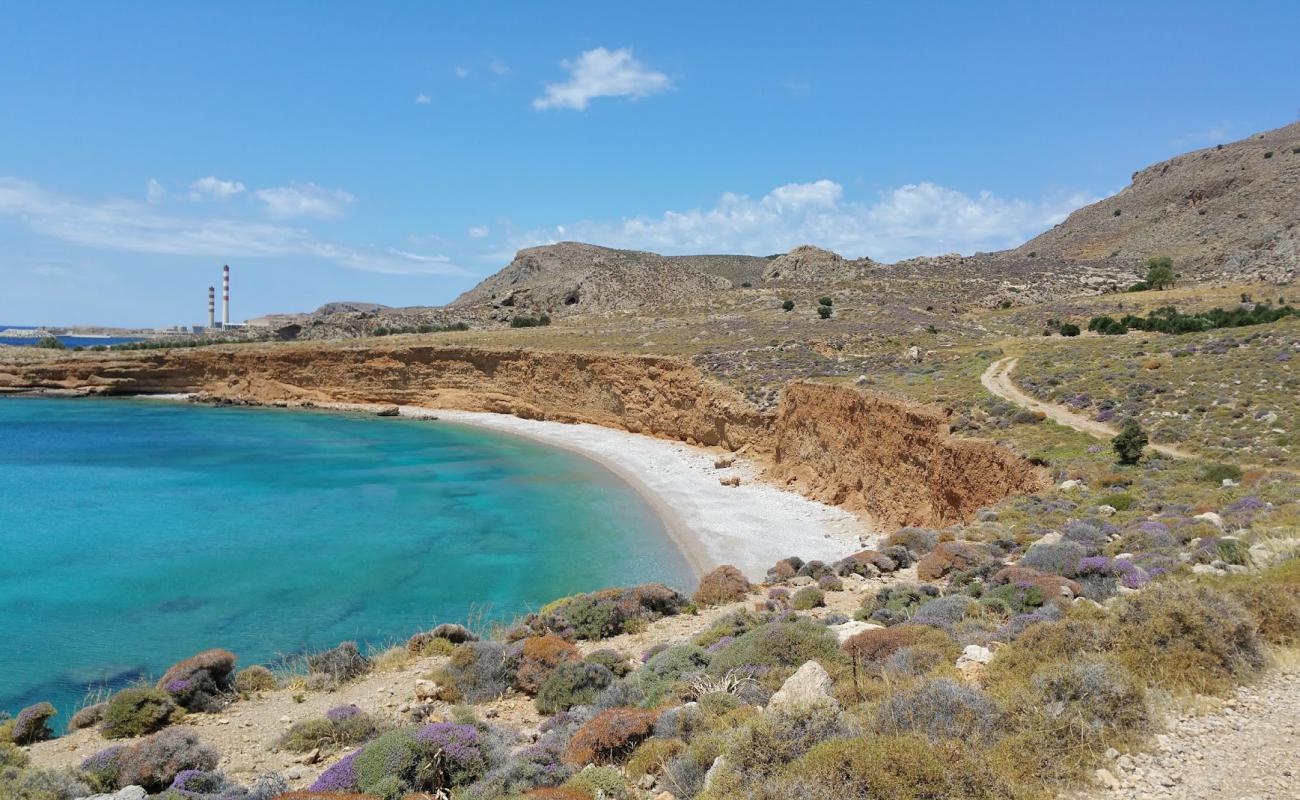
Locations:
{"points": [[845, 631], [389, 411]]}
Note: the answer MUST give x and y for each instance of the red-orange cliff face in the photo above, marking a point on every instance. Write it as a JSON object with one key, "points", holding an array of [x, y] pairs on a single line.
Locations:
{"points": [[890, 459]]}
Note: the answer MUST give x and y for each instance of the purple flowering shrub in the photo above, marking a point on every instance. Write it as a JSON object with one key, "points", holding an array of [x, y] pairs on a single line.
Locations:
{"points": [[1101, 577], [32, 724], [458, 751], [200, 682], [101, 770], [341, 776], [341, 726]]}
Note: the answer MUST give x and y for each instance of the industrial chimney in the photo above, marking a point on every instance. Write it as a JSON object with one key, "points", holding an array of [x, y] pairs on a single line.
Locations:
{"points": [[225, 296], [212, 305]]}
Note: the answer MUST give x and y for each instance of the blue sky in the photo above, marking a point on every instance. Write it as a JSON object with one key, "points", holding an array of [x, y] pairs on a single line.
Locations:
{"points": [[399, 152]]}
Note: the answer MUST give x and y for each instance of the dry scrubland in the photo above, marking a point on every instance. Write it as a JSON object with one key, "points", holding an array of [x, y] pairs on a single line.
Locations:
{"points": [[1045, 646]]}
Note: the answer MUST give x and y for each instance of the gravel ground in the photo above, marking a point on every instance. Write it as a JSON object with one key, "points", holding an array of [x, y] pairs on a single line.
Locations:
{"points": [[1247, 750]]}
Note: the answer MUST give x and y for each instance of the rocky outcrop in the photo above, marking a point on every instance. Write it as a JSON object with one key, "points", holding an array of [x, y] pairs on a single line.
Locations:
{"points": [[807, 265], [888, 457]]}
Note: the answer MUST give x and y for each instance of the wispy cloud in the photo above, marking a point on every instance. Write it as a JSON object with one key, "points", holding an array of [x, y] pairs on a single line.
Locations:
{"points": [[422, 99], [499, 67], [306, 200], [134, 227], [154, 191], [602, 73], [796, 86], [478, 231], [911, 220], [212, 188], [1215, 134], [460, 72]]}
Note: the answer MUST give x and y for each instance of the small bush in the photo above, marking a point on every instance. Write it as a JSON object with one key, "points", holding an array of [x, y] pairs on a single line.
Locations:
{"points": [[824, 312], [199, 682], [670, 667], [571, 684], [1070, 329], [1184, 636], [343, 725], [611, 660], [1272, 598], [339, 665], [1089, 705], [1057, 558], [948, 557], [898, 767], [651, 757], [1218, 473], [787, 305], [726, 584], [594, 781], [537, 657], [255, 678], [103, 769], [154, 762], [87, 717], [940, 709], [918, 540], [425, 645], [776, 738], [135, 712], [32, 724], [777, 644], [477, 672], [825, 301], [530, 322], [808, 597], [728, 627], [610, 736]]}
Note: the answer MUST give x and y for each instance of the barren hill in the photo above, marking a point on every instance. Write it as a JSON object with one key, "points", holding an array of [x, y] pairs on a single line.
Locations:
{"points": [[809, 264], [576, 278], [1225, 212]]}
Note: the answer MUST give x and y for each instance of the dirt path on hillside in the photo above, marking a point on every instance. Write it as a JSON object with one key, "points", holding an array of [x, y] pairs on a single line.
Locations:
{"points": [[997, 379], [1249, 750]]}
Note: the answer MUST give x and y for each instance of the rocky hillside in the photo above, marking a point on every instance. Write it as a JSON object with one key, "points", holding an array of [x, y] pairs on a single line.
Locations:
{"points": [[574, 278], [1227, 212]]}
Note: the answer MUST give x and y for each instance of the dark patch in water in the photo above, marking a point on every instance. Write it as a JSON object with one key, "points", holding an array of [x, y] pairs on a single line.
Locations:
{"points": [[180, 605]]}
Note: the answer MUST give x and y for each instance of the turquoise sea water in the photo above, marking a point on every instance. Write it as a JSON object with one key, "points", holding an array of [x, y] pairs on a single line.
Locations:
{"points": [[134, 533]]}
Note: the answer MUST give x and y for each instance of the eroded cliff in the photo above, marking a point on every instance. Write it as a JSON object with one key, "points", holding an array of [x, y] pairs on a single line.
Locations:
{"points": [[890, 459]]}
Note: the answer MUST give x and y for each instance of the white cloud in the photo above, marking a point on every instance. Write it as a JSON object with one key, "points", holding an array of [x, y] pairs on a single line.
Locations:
{"points": [[211, 188], [499, 67], [154, 191], [602, 73], [461, 72], [912, 220], [478, 231], [134, 227], [422, 99], [306, 200], [796, 86]]}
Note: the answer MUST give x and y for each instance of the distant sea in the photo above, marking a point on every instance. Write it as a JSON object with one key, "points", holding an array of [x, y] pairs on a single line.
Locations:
{"points": [[137, 532], [70, 341]]}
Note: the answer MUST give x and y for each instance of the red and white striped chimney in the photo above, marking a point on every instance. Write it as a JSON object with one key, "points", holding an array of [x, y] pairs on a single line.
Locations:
{"points": [[212, 305], [225, 296]]}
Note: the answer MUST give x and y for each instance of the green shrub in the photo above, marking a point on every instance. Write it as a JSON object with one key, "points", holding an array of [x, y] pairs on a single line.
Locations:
{"points": [[778, 644], [824, 312], [51, 343], [1272, 597], [825, 301], [666, 669], [808, 597], [1070, 329], [1083, 707], [596, 781], [136, 712], [787, 305], [1218, 473], [1130, 442], [653, 755], [389, 766], [343, 725], [731, 625], [1183, 636], [477, 672], [530, 322], [571, 684], [1118, 501], [777, 737]]}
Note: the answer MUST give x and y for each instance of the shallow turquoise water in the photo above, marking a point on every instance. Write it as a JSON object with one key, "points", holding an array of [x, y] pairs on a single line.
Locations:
{"points": [[134, 533]]}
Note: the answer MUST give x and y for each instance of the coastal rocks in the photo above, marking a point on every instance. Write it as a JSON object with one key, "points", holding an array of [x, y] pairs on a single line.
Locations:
{"points": [[388, 411], [809, 685], [733, 481]]}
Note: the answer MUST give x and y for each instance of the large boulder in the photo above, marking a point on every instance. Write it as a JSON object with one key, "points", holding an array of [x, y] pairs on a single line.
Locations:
{"points": [[808, 686]]}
